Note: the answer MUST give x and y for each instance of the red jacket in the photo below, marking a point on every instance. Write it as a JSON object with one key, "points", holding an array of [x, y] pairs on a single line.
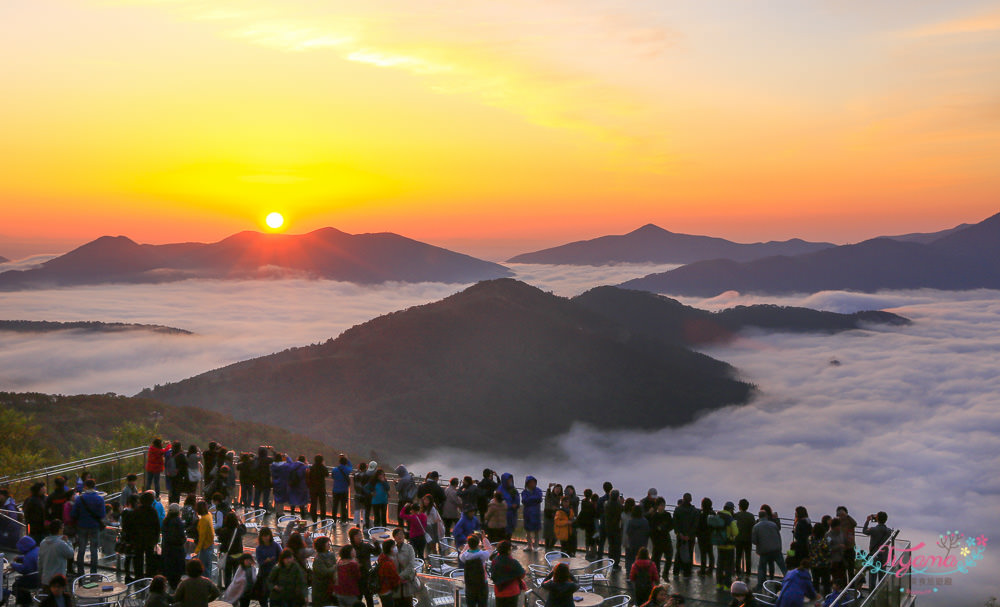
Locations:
{"points": [[639, 565], [154, 459], [388, 575], [348, 579]]}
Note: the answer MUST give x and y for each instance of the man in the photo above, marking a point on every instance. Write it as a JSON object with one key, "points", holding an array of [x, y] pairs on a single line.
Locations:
{"points": [[341, 474], [487, 487], [474, 564], [648, 503], [262, 478], [362, 495], [613, 527], [279, 482], [847, 527], [298, 485], [877, 535], [89, 512], [34, 512], [147, 535], [54, 552], [602, 502], [685, 526], [744, 525], [406, 488], [432, 488], [128, 490], [661, 523], [724, 540], [766, 537]]}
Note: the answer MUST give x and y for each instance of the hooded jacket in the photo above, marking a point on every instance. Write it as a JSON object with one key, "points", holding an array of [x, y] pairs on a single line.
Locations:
{"points": [[404, 484], [341, 474], [796, 586], [53, 553], [87, 508], [279, 480], [464, 528], [29, 550], [509, 491], [298, 484], [531, 499]]}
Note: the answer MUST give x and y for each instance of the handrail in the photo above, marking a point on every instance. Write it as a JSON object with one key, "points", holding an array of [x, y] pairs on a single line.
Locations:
{"points": [[861, 571], [12, 519], [95, 460]]}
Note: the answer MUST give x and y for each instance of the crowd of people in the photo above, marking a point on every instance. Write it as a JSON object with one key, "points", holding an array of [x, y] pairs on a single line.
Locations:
{"points": [[480, 515]]}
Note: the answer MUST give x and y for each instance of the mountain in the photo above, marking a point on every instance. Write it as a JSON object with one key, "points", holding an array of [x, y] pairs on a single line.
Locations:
{"points": [[95, 417], [3, 259], [324, 253], [965, 259], [929, 237], [651, 243], [89, 326], [670, 321], [500, 367]]}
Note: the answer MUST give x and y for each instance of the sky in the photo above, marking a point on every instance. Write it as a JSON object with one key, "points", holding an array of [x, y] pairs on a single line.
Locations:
{"points": [[495, 127]]}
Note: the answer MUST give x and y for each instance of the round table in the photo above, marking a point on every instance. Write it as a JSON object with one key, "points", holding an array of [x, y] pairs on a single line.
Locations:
{"points": [[97, 594], [587, 599], [219, 604], [381, 537], [575, 564]]}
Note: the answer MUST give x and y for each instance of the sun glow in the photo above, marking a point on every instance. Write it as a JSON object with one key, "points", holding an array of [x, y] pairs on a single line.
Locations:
{"points": [[274, 220]]}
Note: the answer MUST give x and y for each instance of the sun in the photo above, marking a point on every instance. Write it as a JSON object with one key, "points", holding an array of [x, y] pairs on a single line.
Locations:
{"points": [[274, 220]]}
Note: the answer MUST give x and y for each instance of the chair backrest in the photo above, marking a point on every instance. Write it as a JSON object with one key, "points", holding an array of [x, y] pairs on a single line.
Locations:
{"points": [[585, 581], [764, 599], [850, 598], [619, 600], [551, 556], [601, 566], [287, 518], [772, 587], [457, 574]]}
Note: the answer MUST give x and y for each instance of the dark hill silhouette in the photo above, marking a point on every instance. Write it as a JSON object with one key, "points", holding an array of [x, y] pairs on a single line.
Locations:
{"points": [[88, 326], [3, 259], [500, 367], [671, 321], [966, 259], [325, 253], [928, 237], [652, 243]]}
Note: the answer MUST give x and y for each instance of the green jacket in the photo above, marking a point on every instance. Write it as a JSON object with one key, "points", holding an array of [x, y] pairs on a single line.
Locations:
{"points": [[324, 568], [292, 583]]}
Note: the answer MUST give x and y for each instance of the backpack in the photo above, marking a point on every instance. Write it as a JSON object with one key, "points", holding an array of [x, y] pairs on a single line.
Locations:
{"points": [[409, 491], [717, 528]]}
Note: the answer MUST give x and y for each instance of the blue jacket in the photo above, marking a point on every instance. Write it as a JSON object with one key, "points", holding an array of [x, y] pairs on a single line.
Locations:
{"points": [[796, 586], [29, 549], [341, 477], [298, 491], [532, 501], [279, 481], [87, 507], [509, 491], [464, 528]]}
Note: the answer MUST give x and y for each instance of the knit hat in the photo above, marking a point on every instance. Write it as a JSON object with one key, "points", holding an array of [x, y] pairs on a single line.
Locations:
{"points": [[739, 587], [651, 492], [174, 508]]}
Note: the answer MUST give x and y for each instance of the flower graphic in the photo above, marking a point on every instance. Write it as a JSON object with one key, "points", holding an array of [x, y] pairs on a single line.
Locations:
{"points": [[964, 552], [981, 541], [970, 542]]}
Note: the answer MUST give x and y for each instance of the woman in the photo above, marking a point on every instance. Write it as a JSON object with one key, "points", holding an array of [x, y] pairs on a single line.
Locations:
{"points": [[324, 573], [158, 596], [553, 501], [267, 557], [301, 552], [531, 499], [451, 511], [513, 501], [563, 524], [189, 516], [802, 531], [416, 522], [574, 506], [287, 582], [821, 556], [435, 524], [560, 586], [586, 522], [704, 535], [173, 552], [496, 518], [204, 547], [241, 591], [179, 481], [231, 544], [636, 537], [195, 469], [658, 597], [378, 487], [154, 465], [835, 541], [661, 523], [388, 575], [643, 574], [196, 590], [406, 565], [348, 584], [508, 577], [55, 593]]}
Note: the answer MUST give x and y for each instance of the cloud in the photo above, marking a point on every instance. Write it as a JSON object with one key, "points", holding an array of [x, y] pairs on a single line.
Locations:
{"points": [[984, 22], [26, 263]]}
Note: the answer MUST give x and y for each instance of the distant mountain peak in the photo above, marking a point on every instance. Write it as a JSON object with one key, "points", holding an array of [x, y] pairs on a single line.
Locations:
{"points": [[649, 229]]}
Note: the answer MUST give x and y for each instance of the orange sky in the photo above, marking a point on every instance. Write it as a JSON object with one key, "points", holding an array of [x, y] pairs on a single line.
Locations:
{"points": [[495, 126]]}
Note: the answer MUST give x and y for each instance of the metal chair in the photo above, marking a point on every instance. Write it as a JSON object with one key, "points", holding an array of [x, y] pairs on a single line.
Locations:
{"points": [[441, 565], [619, 600], [764, 599], [447, 544], [538, 572], [551, 556], [457, 574], [600, 570], [585, 581], [136, 593], [850, 598], [254, 519], [419, 563], [772, 587], [373, 531], [323, 529]]}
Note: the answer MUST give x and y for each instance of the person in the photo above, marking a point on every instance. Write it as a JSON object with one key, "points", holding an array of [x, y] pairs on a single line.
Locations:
{"points": [[508, 577], [324, 571], [613, 527], [560, 585], [474, 562], [877, 535], [552, 502], [262, 480], [206, 539], [55, 593], [54, 553], [416, 522], [126, 539], [297, 544], [531, 499], [195, 468], [174, 540], [431, 487], [155, 465], [570, 496], [659, 596], [496, 518], [741, 595], [341, 474], [33, 509], [88, 512], [512, 500], [211, 457], [406, 566], [158, 596], [661, 523], [744, 547], [266, 554], [848, 527], [820, 555], [796, 586], [56, 501], [348, 580], [466, 526], [767, 540], [378, 487], [388, 574], [801, 532], [219, 486], [485, 490], [362, 496], [287, 582], [451, 511], [146, 535], [128, 490], [279, 483], [435, 524], [724, 532], [703, 534], [586, 522], [685, 528], [835, 542], [406, 488], [469, 492], [836, 588], [364, 551], [231, 545], [197, 590], [637, 538], [563, 524], [643, 573], [27, 565]]}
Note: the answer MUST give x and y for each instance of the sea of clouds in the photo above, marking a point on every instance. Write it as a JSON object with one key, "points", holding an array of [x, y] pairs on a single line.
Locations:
{"points": [[907, 422]]}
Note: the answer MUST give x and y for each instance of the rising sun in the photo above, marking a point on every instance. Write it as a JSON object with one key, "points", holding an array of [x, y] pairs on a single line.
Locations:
{"points": [[274, 220]]}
